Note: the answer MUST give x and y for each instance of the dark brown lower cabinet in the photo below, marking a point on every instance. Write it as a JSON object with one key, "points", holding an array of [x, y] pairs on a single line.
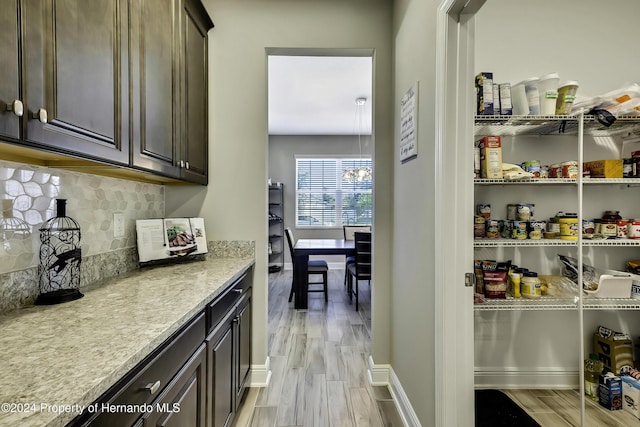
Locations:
{"points": [[183, 402], [196, 378]]}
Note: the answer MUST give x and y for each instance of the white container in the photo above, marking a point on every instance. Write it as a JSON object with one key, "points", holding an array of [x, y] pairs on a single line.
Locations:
{"points": [[519, 100], [548, 92], [566, 96], [533, 95], [613, 286]]}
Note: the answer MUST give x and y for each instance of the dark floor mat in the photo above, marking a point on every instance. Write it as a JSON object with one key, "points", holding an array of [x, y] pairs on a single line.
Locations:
{"points": [[496, 409]]}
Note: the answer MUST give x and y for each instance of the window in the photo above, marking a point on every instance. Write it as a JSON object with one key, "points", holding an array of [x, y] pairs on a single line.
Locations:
{"points": [[325, 199]]}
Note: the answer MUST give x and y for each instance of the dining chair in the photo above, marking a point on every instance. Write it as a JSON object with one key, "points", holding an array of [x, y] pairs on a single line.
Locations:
{"points": [[361, 268], [314, 267], [348, 231]]}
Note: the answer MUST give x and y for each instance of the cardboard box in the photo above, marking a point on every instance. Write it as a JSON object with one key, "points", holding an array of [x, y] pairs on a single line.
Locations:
{"points": [[610, 391], [605, 168], [506, 108], [615, 351], [631, 395], [484, 93], [490, 157]]}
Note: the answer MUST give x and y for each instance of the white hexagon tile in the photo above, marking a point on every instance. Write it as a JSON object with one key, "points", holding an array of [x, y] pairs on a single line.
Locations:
{"points": [[28, 198]]}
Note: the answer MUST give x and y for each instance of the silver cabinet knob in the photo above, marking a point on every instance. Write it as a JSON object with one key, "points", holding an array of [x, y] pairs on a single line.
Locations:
{"points": [[17, 107], [181, 163], [152, 388], [40, 115]]}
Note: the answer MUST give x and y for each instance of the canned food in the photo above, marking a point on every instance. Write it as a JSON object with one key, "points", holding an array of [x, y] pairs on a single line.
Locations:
{"points": [[622, 228], [544, 171], [524, 212], [627, 168], [506, 229], [519, 230], [555, 171], [483, 210], [588, 228], [536, 228], [569, 227], [479, 226], [569, 169], [633, 229], [492, 231]]}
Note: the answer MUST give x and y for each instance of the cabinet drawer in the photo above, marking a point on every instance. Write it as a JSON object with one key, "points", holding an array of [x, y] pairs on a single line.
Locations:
{"points": [[145, 382], [221, 305]]}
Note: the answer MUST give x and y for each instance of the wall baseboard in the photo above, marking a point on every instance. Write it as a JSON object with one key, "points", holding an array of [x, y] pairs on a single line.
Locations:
{"points": [[558, 378], [260, 374], [380, 375]]}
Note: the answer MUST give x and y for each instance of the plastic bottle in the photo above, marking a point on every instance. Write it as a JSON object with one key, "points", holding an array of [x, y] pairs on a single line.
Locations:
{"points": [[592, 370]]}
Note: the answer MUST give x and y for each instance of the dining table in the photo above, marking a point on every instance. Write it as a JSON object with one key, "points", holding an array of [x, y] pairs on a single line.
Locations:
{"points": [[301, 251]]}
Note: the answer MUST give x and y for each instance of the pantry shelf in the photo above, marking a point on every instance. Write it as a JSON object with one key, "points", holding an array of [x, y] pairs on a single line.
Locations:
{"points": [[543, 181], [484, 243], [611, 242], [551, 125], [524, 304], [610, 304], [604, 181]]}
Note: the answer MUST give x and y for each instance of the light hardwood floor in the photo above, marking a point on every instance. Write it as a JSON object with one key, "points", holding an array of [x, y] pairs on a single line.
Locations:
{"points": [[560, 408], [318, 362]]}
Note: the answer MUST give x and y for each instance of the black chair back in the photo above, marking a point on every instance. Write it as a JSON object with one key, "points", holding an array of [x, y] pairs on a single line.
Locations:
{"points": [[290, 240], [363, 255]]}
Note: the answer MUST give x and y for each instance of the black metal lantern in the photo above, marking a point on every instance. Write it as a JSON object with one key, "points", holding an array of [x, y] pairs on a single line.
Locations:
{"points": [[60, 257]]}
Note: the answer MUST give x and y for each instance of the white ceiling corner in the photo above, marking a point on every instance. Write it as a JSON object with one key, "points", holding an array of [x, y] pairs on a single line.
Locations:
{"points": [[316, 95]]}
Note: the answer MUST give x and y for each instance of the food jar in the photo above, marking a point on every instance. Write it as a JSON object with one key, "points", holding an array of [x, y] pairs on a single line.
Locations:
{"points": [[569, 226], [506, 228], [555, 171], [612, 215], [609, 228], [530, 285], [524, 212], [627, 167]]}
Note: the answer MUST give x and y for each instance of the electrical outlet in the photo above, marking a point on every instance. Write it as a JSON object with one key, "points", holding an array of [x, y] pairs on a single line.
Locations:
{"points": [[118, 224]]}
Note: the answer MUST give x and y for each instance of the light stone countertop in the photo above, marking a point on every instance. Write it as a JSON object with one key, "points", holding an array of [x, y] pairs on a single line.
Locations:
{"points": [[71, 353]]}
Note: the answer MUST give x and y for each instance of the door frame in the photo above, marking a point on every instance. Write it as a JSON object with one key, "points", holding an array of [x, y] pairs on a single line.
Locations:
{"points": [[454, 197]]}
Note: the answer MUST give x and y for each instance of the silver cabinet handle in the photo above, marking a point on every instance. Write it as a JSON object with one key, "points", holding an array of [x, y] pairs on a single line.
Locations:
{"points": [[40, 115], [181, 163], [17, 107], [187, 165], [152, 388], [238, 291]]}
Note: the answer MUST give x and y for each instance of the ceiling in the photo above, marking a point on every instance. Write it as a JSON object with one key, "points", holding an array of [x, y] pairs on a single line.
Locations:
{"points": [[316, 95]]}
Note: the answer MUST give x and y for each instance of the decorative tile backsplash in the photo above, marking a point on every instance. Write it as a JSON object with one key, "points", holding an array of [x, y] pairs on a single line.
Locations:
{"points": [[92, 201]]}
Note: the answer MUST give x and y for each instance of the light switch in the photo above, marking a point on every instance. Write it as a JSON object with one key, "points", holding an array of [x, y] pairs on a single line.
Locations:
{"points": [[118, 224]]}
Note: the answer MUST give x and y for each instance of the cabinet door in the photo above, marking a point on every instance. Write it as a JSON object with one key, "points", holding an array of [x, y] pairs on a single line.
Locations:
{"points": [[183, 402], [244, 345], [193, 153], [154, 70], [76, 77], [220, 351], [9, 64]]}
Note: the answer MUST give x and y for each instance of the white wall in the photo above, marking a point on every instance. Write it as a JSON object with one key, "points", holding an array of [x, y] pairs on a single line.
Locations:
{"points": [[234, 204], [591, 41], [413, 350]]}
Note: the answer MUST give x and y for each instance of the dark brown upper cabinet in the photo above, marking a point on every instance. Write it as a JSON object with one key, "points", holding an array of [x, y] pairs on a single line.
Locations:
{"points": [[75, 77], [169, 71], [116, 82], [11, 102]]}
